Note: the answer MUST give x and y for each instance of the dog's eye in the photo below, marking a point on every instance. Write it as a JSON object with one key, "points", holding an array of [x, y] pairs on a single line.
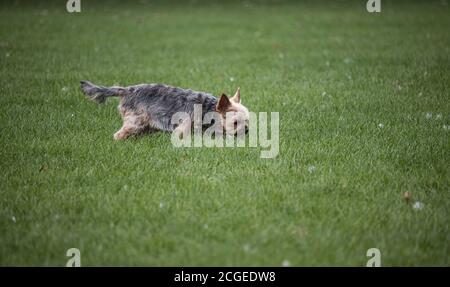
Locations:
{"points": [[235, 124]]}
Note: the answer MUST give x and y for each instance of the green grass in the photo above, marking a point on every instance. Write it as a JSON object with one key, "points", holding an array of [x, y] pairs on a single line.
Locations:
{"points": [[333, 71]]}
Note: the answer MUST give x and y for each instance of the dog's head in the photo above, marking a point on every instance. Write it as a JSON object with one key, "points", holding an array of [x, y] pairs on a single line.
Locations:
{"points": [[235, 116]]}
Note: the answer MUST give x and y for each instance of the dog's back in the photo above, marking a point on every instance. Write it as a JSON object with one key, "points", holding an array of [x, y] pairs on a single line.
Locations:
{"points": [[156, 102], [161, 102]]}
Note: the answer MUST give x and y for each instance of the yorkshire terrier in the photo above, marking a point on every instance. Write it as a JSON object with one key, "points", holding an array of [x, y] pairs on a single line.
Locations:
{"points": [[150, 107]]}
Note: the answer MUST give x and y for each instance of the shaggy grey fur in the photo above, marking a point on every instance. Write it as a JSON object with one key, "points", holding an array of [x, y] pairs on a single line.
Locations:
{"points": [[158, 101]]}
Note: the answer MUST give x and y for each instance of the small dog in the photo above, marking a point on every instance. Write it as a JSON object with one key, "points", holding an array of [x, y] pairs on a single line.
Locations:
{"points": [[150, 107]]}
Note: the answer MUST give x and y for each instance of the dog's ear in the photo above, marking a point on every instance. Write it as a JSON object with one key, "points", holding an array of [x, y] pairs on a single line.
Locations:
{"points": [[223, 104], [237, 96]]}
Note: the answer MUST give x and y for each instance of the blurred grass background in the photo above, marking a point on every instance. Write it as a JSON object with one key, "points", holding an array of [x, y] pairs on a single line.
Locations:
{"points": [[334, 72]]}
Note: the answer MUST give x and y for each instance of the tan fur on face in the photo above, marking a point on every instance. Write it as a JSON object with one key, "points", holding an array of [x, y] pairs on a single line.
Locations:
{"points": [[236, 113]]}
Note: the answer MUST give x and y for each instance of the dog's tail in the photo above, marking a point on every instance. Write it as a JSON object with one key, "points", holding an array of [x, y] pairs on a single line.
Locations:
{"points": [[100, 93]]}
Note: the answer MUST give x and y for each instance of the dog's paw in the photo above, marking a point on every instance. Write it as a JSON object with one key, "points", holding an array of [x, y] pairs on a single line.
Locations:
{"points": [[118, 136]]}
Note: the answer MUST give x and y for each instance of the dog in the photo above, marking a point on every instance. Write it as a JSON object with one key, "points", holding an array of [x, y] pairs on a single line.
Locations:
{"points": [[150, 107]]}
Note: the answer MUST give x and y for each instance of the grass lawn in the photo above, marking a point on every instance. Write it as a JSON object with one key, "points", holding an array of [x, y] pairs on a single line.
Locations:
{"points": [[364, 117]]}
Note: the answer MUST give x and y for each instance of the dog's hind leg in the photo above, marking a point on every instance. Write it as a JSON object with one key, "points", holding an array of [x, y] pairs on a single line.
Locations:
{"points": [[133, 124], [124, 132]]}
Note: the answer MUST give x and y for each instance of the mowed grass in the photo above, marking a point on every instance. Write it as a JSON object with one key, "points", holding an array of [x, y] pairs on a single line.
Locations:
{"points": [[333, 71]]}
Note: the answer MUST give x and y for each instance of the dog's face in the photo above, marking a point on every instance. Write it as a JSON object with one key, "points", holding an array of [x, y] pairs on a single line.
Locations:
{"points": [[235, 116]]}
